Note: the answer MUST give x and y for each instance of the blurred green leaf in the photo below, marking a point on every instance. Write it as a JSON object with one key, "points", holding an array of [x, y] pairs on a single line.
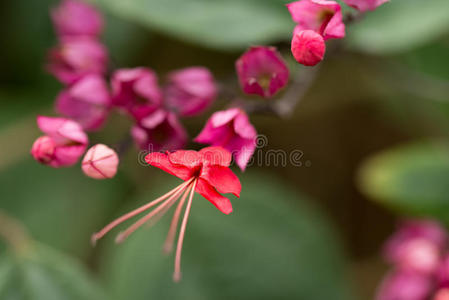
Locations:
{"points": [[413, 179], [230, 24], [61, 207], [400, 25], [43, 273], [273, 246]]}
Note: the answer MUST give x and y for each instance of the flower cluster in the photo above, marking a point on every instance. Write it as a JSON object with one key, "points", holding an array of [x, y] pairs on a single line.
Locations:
{"points": [[317, 21], [419, 252]]}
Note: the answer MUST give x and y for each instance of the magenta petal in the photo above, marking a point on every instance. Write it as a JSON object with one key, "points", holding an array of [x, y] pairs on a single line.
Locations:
{"points": [[62, 130], [66, 156], [405, 286], [210, 193], [365, 5]]}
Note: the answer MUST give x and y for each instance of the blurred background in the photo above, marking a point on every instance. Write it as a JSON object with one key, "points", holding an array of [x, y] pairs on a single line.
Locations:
{"points": [[373, 131]]}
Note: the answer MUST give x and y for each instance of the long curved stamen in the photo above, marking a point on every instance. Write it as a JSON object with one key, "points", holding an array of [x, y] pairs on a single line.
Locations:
{"points": [[177, 273], [168, 244], [110, 226], [169, 202]]}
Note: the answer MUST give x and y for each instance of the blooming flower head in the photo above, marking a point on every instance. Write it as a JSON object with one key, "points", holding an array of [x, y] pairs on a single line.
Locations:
{"points": [[232, 130], [77, 57], [190, 91], [262, 71], [405, 286], [308, 47], [417, 246], [321, 16], [158, 131], [365, 5], [87, 101], [136, 91], [100, 162], [206, 172], [63, 144], [76, 18]]}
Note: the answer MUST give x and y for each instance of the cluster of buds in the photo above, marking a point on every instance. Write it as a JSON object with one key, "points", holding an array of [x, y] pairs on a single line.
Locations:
{"points": [[318, 21], [419, 254]]}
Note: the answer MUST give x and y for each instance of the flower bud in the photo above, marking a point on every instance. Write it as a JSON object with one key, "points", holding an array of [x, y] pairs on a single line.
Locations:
{"points": [[262, 71], [76, 18], [43, 149], [190, 91], [308, 47], [100, 162]]}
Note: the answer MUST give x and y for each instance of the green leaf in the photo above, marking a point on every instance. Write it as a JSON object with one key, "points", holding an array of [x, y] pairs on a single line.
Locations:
{"points": [[400, 25], [413, 179], [230, 24], [273, 246], [43, 273], [60, 207]]}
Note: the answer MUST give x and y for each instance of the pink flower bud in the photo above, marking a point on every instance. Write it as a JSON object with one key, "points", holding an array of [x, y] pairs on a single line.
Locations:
{"points": [[136, 91], [87, 101], [190, 91], [365, 5], [232, 130], [160, 130], [308, 47], [100, 162], [63, 145], [442, 294], [75, 18], [405, 286], [77, 57], [43, 149], [262, 71], [322, 16]]}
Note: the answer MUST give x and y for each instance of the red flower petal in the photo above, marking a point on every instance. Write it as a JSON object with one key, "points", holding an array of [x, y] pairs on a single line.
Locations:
{"points": [[222, 178], [161, 161], [187, 158], [216, 156], [210, 193]]}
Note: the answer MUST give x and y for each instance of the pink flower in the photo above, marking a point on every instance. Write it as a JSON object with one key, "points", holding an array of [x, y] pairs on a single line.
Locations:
{"points": [[160, 130], [190, 91], [405, 286], [100, 162], [76, 18], [77, 57], [443, 273], [417, 246], [206, 172], [365, 5], [136, 91], [63, 144], [232, 130], [262, 71], [321, 16], [87, 101], [308, 47]]}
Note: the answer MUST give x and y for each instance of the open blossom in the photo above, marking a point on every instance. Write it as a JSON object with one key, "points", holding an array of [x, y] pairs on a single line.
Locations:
{"points": [[100, 162], [206, 172], [87, 101], [262, 71], [158, 131], [63, 144], [308, 47], [232, 130], [77, 57], [75, 18], [136, 91], [365, 5], [321, 16], [190, 91]]}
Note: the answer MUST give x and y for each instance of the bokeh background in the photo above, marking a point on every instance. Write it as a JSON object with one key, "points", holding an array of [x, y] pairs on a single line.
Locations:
{"points": [[373, 130]]}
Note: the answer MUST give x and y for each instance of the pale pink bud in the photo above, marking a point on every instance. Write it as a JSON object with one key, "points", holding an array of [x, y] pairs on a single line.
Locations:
{"points": [[308, 47], [43, 149], [262, 71], [100, 162], [75, 18]]}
